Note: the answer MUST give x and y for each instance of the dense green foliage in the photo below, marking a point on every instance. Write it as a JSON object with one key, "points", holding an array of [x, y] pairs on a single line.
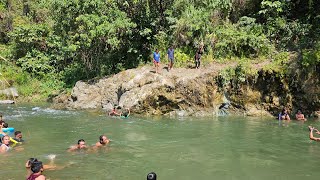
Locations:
{"points": [[62, 41]]}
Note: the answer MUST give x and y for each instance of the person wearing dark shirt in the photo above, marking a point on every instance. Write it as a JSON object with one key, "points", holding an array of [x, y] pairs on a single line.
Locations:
{"points": [[18, 136], [197, 58]]}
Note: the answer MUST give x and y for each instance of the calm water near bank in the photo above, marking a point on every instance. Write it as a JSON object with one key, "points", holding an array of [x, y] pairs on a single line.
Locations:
{"points": [[175, 148]]}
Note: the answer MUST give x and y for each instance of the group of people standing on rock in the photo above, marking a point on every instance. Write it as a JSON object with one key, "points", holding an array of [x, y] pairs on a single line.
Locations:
{"points": [[170, 55]]}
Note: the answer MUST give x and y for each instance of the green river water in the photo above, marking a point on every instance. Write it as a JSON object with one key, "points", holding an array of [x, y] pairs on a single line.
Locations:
{"points": [[192, 148]]}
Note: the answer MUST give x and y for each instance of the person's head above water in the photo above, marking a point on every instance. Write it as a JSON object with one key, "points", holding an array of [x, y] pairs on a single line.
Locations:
{"points": [[1, 123], [103, 139], [30, 162], [18, 134], [37, 167], [152, 176], [81, 144], [5, 140], [5, 125], [126, 112]]}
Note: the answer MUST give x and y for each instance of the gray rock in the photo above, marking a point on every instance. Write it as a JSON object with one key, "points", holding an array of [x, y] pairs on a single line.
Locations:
{"points": [[6, 102], [10, 92]]}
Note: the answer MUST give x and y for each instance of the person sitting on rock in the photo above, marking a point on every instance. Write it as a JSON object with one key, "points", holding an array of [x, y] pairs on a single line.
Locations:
{"points": [[300, 116], [284, 115], [311, 129]]}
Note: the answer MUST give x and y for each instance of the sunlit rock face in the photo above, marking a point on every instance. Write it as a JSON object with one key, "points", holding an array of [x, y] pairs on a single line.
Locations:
{"points": [[195, 92]]}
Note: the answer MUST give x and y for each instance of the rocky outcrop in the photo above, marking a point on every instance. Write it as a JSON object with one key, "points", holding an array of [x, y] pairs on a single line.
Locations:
{"points": [[180, 91], [196, 92]]}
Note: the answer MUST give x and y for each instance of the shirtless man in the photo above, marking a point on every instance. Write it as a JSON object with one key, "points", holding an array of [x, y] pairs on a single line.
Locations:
{"points": [[103, 140], [300, 116], [311, 129], [81, 145]]}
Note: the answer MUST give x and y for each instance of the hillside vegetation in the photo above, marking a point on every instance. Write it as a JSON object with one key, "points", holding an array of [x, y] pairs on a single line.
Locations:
{"points": [[48, 45]]}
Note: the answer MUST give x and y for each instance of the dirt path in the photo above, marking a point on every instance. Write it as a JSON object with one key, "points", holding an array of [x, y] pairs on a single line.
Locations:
{"points": [[209, 68]]}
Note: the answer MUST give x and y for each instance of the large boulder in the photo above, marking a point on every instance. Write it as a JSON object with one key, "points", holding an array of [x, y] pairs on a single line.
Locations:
{"points": [[177, 92]]}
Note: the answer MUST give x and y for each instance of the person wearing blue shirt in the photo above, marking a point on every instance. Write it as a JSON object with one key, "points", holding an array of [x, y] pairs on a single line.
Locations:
{"points": [[156, 60], [283, 115], [170, 57]]}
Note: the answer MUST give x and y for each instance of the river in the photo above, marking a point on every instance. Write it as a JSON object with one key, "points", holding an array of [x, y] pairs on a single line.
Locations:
{"points": [[189, 148]]}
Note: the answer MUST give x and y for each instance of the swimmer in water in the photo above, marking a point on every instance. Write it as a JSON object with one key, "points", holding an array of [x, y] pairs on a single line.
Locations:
{"points": [[300, 116], [125, 113], [81, 145], [114, 112], [2, 125], [283, 115], [28, 164], [50, 166], [103, 140], [37, 169], [18, 136], [5, 146], [152, 176], [311, 129]]}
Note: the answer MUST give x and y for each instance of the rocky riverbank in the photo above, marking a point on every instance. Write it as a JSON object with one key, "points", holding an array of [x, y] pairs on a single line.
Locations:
{"points": [[199, 92]]}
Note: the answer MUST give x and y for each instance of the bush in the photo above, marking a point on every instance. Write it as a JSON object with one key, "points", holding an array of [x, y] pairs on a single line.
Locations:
{"points": [[241, 40], [181, 59], [311, 57]]}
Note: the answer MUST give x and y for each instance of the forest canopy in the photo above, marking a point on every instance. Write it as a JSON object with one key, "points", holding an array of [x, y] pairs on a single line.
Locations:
{"points": [[71, 40]]}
